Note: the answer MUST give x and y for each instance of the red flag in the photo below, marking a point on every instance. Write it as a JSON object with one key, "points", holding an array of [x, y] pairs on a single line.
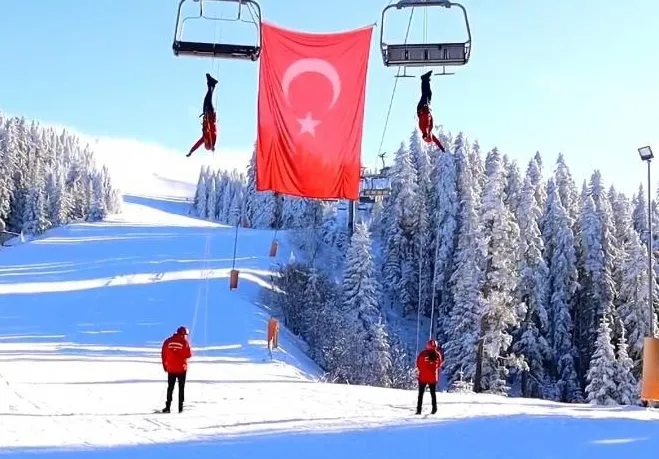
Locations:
{"points": [[312, 89]]}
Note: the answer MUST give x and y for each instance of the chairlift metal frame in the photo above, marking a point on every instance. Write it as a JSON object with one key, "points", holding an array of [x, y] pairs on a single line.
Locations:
{"points": [[218, 50], [425, 54]]}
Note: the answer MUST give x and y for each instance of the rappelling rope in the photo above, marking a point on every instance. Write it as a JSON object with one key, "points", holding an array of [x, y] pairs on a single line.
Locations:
{"points": [[421, 252], [215, 72], [203, 284], [393, 92]]}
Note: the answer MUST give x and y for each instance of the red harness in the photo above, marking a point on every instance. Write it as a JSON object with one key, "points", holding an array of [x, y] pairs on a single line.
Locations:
{"points": [[208, 133], [426, 126]]}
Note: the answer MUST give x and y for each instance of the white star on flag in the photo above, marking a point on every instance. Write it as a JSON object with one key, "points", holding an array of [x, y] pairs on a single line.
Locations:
{"points": [[308, 124]]}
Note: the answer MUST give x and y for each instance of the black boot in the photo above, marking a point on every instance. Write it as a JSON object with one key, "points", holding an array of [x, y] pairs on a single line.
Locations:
{"points": [[166, 408], [434, 410], [210, 81], [426, 76], [180, 407]]}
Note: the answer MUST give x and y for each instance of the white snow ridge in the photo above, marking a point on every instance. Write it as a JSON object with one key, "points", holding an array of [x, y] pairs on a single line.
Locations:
{"points": [[85, 308]]}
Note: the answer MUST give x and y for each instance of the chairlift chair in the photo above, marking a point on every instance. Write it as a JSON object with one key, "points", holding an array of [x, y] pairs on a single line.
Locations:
{"points": [[425, 54], [182, 47]]}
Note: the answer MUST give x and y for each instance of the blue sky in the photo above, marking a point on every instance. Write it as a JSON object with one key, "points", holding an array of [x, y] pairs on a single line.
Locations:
{"points": [[578, 77]]}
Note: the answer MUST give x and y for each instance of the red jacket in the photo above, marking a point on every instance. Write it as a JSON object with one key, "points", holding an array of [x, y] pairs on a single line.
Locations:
{"points": [[175, 353], [428, 369], [426, 125]]}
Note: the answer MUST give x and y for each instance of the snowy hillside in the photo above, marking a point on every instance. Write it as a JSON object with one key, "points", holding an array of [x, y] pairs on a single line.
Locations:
{"points": [[83, 310]]}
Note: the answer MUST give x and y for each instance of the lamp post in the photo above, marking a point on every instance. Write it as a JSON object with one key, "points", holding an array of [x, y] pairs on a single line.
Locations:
{"points": [[646, 155]]}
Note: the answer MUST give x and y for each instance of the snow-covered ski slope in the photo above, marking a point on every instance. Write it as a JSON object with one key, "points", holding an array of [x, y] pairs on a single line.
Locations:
{"points": [[84, 309]]}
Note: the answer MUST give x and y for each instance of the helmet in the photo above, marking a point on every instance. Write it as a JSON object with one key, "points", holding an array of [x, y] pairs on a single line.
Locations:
{"points": [[432, 344], [182, 331]]}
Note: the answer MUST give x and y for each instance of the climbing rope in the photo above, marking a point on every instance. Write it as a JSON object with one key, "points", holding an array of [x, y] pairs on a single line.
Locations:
{"points": [[235, 246], [419, 302], [203, 287], [434, 284], [215, 72]]}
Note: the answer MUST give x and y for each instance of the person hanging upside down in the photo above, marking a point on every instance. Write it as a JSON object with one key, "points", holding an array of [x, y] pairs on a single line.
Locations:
{"points": [[208, 127], [424, 114]]}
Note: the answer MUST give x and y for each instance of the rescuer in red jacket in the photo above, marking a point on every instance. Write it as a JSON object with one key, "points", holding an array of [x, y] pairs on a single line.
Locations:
{"points": [[175, 354], [428, 363], [426, 122]]}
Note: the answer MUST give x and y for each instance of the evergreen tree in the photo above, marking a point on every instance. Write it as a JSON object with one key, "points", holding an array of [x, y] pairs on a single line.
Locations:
{"points": [[371, 358], [463, 332], [627, 384], [500, 237], [513, 191], [602, 388], [532, 295], [633, 298], [400, 269], [640, 214], [446, 218], [561, 261]]}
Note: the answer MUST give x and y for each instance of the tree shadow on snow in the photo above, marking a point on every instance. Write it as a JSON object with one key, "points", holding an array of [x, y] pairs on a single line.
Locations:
{"points": [[511, 437]]}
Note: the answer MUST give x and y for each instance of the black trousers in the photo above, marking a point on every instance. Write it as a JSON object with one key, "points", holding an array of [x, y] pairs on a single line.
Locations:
{"points": [[171, 380], [426, 94], [433, 395], [208, 101]]}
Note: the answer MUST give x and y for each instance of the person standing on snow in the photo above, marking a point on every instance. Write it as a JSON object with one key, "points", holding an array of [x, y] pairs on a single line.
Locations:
{"points": [[175, 354], [428, 363]]}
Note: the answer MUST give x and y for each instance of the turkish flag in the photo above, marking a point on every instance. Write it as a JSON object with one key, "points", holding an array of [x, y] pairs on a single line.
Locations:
{"points": [[312, 89]]}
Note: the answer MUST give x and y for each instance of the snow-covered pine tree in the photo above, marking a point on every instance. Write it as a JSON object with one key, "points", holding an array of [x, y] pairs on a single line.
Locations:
{"points": [[52, 173], [98, 209], [597, 247], [34, 212], [251, 203], [499, 317], [532, 298], [602, 388], [225, 199], [561, 261], [640, 214], [534, 173], [627, 383], [446, 218], [423, 237], [633, 298], [200, 187], [400, 269], [476, 164], [369, 353], [334, 233], [514, 182], [464, 323], [235, 207], [403, 373], [567, 189], [293, 209], [202, 194]]}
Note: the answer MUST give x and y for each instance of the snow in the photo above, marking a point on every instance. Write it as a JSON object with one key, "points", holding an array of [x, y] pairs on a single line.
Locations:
{"points": [[84, 309]]}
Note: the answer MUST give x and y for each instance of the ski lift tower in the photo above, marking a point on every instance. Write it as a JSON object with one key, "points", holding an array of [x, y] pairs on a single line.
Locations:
{"points": [[374, 187]]}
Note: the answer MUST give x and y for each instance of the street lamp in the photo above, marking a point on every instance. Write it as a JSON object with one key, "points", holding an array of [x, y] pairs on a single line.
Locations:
{"points": [[646, 155]]}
